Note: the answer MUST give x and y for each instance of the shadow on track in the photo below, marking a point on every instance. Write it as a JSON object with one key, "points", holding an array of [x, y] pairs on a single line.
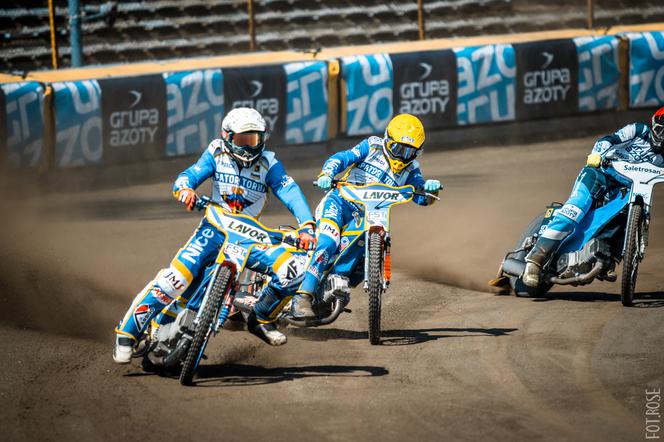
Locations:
{"points": [[578, 297], [649, 300], [233, 375], [399, 337], [642, 300]]}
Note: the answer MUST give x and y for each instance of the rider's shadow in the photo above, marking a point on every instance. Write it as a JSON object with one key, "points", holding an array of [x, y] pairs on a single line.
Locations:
{"points": [[649, 300], [400, 337], [233, 375], [643, 299]]}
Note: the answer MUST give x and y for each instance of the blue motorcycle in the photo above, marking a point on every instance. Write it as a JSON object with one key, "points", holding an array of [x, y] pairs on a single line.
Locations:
{"points": [[182, 342], [613, 231]]}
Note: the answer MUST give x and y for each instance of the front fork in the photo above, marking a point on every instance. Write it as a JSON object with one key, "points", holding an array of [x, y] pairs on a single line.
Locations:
{"points": [[643, 234], [227, 300], [387, 258]]}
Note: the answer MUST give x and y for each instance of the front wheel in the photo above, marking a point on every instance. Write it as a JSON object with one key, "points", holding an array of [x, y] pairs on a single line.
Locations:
{"points": [[375, 285], [210, 312], [632, 255]]}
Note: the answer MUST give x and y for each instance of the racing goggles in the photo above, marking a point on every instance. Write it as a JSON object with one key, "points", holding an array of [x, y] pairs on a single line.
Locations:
{"points": [[246, 146], [657, 134], [247, 139], [402, 152]]}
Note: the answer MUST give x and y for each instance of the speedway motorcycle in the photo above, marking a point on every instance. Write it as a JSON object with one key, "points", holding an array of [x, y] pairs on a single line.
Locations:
{"points": [[182, 342], [364, 255], [612, 231]]}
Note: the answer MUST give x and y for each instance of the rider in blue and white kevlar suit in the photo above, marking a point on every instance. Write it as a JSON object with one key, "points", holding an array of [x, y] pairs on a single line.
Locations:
{"points": [[389, 160], [241, 177], [635, 142]]}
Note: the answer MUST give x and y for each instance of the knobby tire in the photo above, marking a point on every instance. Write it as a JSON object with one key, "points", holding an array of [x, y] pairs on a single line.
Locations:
{"points": [[375, 284], [631, 258], [210, 310]]}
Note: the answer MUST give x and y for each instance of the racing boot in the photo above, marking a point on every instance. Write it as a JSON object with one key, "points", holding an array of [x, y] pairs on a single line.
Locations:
{"points": [[123, 350], [536, 258], [267, 332], [301, 307]]}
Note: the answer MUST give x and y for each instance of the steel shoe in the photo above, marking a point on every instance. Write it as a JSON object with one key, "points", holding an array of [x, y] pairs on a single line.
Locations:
{"points": [[266, 332], [301, 307], [123, 350], [531, 274]]}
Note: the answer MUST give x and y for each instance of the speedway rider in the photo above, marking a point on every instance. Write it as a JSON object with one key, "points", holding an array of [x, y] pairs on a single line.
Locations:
{"points": [[242, 172], [389, 160], [635, 142]]}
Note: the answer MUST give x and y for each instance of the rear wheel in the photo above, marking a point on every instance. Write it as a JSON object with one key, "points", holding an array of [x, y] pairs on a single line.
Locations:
{"points": [[632, 256], [375, 284], [518, 287], [202, 332]]}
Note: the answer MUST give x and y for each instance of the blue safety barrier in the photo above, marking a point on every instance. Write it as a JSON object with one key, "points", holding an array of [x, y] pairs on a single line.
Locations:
{"points": [[599, 73], [24, 123], [369, 83], [486, 84], [78, 123], [646, 69], [195, 107], [307, 117]]}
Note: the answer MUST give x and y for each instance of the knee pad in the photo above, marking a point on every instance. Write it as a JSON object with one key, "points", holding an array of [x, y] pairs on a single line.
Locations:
{"points": [[572, 212], [290, 272], [590, 185], [171, 282], [330, 230]]}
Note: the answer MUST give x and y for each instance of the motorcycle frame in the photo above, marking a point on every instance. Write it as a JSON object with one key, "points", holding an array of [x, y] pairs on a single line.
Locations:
{"points": [[375, 213], [642, 178], [226, 257]]}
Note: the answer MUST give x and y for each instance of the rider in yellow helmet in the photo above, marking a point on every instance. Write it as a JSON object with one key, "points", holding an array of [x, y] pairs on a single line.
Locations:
{"points": [[389, 160], [404, 137]]}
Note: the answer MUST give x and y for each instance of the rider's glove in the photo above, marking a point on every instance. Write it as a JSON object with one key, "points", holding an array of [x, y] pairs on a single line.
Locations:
{"points": [[324, 182], [306, 239], [594, 160], [432, 186], [187, 197]]}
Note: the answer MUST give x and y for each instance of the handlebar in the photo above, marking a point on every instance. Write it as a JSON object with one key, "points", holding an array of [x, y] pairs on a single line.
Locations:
{"points": [[336, 182], [204, 201]]}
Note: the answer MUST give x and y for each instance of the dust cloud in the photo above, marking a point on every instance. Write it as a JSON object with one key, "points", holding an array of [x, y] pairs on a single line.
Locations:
{"points": [[71, 263]]}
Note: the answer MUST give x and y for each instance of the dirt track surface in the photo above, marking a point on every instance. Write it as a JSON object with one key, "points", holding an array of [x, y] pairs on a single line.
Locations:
{"points": [[458, 362]]}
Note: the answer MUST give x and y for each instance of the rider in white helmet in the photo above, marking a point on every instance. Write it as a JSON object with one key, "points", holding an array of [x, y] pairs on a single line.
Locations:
{"points": [[242, 172]]}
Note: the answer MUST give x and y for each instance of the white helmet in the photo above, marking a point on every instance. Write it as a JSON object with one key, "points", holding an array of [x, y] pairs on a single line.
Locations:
{"points": [[244, 132]]}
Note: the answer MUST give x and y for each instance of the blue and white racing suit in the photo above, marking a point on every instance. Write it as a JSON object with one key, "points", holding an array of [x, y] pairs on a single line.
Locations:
{"points": [[367, 165], [631, 143], [238, 190]]}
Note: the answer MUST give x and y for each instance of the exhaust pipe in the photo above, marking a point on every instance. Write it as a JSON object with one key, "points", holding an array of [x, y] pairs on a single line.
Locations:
{"points": [[513, 267], [316, 322], [581, 279]]}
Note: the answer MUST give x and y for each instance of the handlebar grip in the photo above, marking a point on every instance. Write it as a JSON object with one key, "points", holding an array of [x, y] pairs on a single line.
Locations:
{"points": [[334, 182], [202, 203]]}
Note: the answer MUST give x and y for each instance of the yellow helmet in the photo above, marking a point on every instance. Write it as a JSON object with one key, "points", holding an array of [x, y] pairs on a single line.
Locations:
{"points": [[404, 137]]}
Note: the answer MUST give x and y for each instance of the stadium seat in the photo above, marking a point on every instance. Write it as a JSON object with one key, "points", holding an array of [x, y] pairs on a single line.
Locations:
{"points": [[159, 29]]}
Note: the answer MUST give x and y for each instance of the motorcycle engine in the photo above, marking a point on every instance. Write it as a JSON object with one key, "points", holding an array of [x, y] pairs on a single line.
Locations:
{"points": [[169, 334], [582, 261]]}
